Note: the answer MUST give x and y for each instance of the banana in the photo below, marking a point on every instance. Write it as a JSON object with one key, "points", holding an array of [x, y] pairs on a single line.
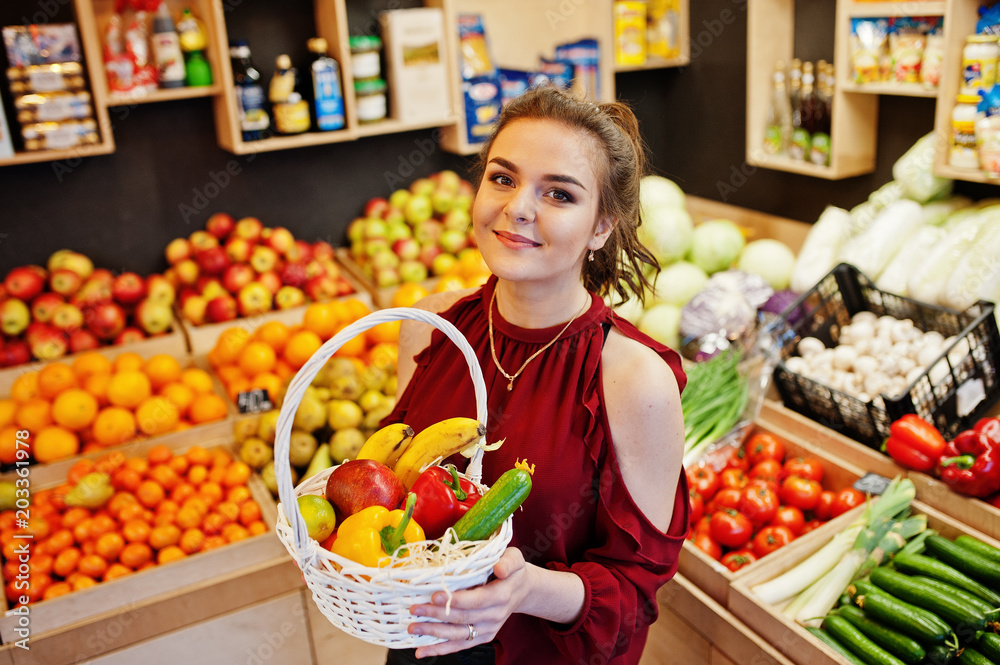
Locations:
{"points": [[441, 439], [387, 444]]}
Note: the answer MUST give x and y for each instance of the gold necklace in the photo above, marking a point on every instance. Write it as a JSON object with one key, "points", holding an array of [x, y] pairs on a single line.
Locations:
{"points": [[510, 377]]}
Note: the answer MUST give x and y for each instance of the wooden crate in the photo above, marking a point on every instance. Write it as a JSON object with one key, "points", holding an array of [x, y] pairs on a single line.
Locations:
{"points": [[715, 579], [759, 224], [789, 637], [968, 510]]}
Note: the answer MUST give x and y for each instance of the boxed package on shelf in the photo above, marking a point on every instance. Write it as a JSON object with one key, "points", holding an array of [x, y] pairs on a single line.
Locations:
{"points": [[480, 78], [416, 70], [53, 107]]}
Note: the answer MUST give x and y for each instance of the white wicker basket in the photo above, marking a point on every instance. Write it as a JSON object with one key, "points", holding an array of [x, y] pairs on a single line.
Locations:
{"points": [[373, 604]]}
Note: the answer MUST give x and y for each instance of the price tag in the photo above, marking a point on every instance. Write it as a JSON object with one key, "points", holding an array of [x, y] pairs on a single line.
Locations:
{"points": [[254, 401], [872, 483], [968, 396]]}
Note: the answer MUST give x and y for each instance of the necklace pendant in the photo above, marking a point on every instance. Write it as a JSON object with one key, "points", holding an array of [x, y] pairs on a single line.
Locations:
{"points": [[510, 385]]}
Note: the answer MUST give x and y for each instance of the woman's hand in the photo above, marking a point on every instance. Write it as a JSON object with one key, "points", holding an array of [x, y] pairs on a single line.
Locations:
{"points": [[485, 607]]}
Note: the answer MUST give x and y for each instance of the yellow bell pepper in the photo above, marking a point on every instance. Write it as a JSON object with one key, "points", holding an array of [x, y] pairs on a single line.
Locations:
{"points": [[371, 535]]}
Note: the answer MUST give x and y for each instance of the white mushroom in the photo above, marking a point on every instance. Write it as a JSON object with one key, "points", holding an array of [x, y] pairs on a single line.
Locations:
{"points": [[933, 337], [900, 330], [810, 346], [867, 317], [863, 329], [903, 350], [914, 374], [865, 365], [880, 346], [875, 383], [905, 365], [797, 365], [961, 350], [844, 356], [927, 354], [888, 364]]}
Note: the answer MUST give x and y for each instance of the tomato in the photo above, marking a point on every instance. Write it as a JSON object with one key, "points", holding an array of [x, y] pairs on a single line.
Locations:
{"points": [[759, 503], [738, 459], [704, 542], [768, 469], [804, 467], [772, 485], [810, 525], [846, 499], [791, 517], [733, 478], [824, 509], [771, 538], [738, 558], [704, 481], [731, 528], [701, 526], [763, 446], [800, 492], [697, 506], [727, 497]]}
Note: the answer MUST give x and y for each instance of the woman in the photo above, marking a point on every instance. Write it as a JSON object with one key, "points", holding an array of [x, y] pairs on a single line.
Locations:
{"points": [[574, 389]]}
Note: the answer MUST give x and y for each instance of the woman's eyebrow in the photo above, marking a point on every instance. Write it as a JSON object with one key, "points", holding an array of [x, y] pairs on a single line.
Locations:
{"points": [[568, 179]]}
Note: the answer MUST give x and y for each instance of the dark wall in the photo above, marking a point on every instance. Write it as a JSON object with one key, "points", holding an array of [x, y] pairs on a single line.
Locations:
{"points": [[122, 209]]}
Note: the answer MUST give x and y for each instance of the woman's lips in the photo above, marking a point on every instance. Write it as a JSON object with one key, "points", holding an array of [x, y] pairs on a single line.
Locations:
{"points": [[514, 240]]}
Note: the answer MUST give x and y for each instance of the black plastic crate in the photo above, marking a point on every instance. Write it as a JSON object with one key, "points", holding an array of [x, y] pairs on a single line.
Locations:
{"points": [[824, 309]]}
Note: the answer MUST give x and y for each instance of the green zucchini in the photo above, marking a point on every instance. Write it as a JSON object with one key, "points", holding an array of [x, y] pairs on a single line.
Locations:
{"points": [[970, 656], [825, 638], [958, 608], [847, 634], [500, 501], [939, 654], [979, 547], [967, 561], [905, 648], [918, 564], [989, 646], [923, 626]]}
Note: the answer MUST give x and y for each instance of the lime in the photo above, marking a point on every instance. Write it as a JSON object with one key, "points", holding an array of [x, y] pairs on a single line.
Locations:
{"points": [[318, 515]]}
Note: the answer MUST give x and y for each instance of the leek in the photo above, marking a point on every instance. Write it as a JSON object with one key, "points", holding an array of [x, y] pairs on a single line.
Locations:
{"points": [[807, 572]]}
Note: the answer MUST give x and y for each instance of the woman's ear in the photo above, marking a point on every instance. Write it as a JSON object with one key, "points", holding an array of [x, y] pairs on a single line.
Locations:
{"points": [[604, 228]]}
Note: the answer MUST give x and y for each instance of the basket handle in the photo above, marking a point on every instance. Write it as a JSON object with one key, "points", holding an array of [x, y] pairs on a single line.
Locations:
{"points": [[304, 377]]}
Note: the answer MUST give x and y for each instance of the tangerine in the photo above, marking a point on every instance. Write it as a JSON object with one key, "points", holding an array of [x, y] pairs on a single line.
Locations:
{"points": [[55, 443], [249, 513], [235, 532], [97, 385], [57, 589], [136, 531], [356, 308], [229, 373], [34, 414], [92, 565], [110, 545], [110, 461], [179, 463], [207, 408], [126, 479], [164, 535], [384, 332], [197, 474], [269, 381], [162, 369], [114, 425], [192, 540], [150, 493], [321, 319], [25, 387], [354, 347], [135, 555], [115, 571], [188, 517], [7, 409], [257, 528], [157, 415], [239, 494], [301, 347], [159, 454], [197, 380], [129, 388], [81, 582], [198, 455], [101, 524], [79, 469], [170, 553], [283, 369], [90, 363], [237, 473], [74, 408], [213, 541], [273, 333], [164, 476], [128, 361], [55, 378]]}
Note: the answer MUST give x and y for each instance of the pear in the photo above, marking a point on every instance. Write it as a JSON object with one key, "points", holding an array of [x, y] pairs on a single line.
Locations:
{"points": [[245, 427], [391, 385], [346, 444], [266, 425], [346, 387], [271, 481], [311, 414], [256, 453], [301, 447], [375, 416], [339, 367], [343, 414], [320, 461], [93, 491], [374, 378], [369, 400], [323, 394]]}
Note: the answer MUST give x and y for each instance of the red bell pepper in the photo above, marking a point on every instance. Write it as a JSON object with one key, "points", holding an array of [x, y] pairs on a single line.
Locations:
{"points": [[971, 464], [442, 497], [990, 427], [914, 443]]}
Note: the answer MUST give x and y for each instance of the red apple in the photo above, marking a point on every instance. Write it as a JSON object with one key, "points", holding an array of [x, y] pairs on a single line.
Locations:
{"points": [[130, 335], [128, 289], [271, 279], [386, 277], [321, 287], [193, 309], [331, 269], [428, 231], [15, 352], [294, 274], [279, 239], [185, 293], [75, 261], [358, 484], [407, 249], [238, 249], [67, 318], [344, 287], [376, 206], [302, 251], [201, 241], [221, 308], [65, 282], [254, 298], [237, 276], [213, 261], [102, 276], [44, 305], [187, 271], [428, 253], [93, 292], [177, 250], [106, 320], [220, 225], [82, 339], [263, 258], [25, 282], [288, 297], [322, 250], [249, 228], [49, 343], [153, 317], [160, 289], [14, 317]]}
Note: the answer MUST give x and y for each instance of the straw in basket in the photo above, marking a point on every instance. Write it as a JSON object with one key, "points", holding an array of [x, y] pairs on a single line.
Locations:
{"points": [[373, 604]]}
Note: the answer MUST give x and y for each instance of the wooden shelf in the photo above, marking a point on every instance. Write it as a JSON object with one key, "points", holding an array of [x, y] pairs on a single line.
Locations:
{"points": [[899, 89], [972, 175], [104, 148], [911, 8], [391, 126], [166, 95], [846, 169]]}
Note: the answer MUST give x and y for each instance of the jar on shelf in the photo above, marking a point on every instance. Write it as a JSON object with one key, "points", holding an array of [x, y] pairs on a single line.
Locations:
{"points": [[979, 61], [369, 96], [366, 56], [964, 152]]}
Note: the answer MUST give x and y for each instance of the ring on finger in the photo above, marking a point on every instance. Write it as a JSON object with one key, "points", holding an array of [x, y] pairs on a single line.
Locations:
{"points": [[473, 633]]}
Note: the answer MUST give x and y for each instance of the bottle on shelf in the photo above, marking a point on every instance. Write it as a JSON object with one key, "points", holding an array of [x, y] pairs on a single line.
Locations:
{"points": [[191, 34], [819, 146], [964, 151], [167, 49], [802, 133], [291, 112], [779, 114], [250, 101], [795, 90], [327, 97]]}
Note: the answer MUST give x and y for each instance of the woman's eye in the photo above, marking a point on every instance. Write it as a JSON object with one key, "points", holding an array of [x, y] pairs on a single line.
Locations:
{"points": [[501, 179], [560, 195]]}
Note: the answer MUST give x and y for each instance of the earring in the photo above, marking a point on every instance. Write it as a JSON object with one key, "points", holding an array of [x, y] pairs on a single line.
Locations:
{"points": [[591, 257]]}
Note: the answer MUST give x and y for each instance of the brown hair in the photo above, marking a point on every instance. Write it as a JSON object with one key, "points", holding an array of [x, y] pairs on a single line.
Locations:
{"points": [[620, 266]]}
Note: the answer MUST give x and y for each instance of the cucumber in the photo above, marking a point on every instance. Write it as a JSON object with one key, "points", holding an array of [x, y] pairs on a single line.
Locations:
{"points": [[979, 547], [918, 564], [923, 626], [967, 561], [942, 599], [844, 632], [939, 654], [825, 638], [970, 656], [989, 645], [906, 649], [500, 501]]}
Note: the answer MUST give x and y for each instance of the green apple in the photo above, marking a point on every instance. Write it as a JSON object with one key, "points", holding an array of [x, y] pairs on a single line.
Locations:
{"points": [[399, 198], [418, 209]]}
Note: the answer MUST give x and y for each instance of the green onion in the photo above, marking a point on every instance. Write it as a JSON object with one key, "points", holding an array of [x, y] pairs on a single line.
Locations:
{"points": [[712, 402]]}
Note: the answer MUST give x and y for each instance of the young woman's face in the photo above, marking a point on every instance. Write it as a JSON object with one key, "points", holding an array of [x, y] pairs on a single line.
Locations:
{"points": [[535, 214]]}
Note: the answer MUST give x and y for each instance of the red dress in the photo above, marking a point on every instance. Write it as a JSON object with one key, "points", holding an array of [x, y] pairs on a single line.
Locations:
{"points": [[579, 516]]}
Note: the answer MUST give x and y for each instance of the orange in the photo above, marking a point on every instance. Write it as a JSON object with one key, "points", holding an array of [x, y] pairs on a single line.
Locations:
{"points": [[269, 381], [129, 388], [384, 332], [301, 346], [110, 461], [150, 493], [237, 473], [179, 463], [7, 409], [135, 554], [257, 357], [57, 589], [170, 553], [197, 380], [321, 318], [115, 571], [240, 384], [198, 455], [192, 540], [182, 491], [231, 341], [162, 369], [129, 361], [229, 373], [384, 356], [126, 479], [163, 536], [180, 394], [66, 561], [229, 510], [79, 469], [449, 283], [92, 565], [234, 532], [283, 369], [55, 378], [114, 425], [197, 474], [354, 347], [35, 414], [83, 582], [356, 309], [133, 511], [273, 333], [164, 476], [102, 524], [54, 443], [408, 293], [110, 545], [9, 445], [249, 513], [213, 541], [97, 385], [188, 517], [74, 408], [221, 458], [41, 563], [25, 387], [59, 541], [136, 531], [207, 408], [90, 363], [157, 415], [159, 454], [211, 492], [239, 494]]}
